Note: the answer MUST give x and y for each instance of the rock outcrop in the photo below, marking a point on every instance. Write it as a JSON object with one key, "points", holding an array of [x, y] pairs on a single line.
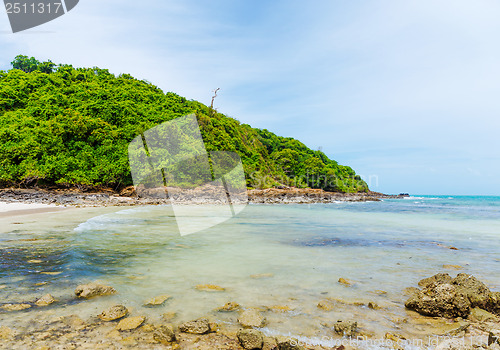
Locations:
{"points": [[444, 296]]}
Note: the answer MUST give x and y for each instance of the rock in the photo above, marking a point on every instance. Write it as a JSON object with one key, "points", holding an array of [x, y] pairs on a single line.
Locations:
{"points": [[394, 337], [454, 344], [440, 278], [326, 305], [210, 288], [156, 301], [93, 289], [251, 318], [130, 323], [410, 291], [6, 332], [493, 338], [480, 315], [199, 326], [345, 282], [250, 339], [47, 299], [169, 316], [16, 307], [443, 296], [164, 334], [113, 313], [441, 300], [230, 306], [453, 267], [346, 328], [475, 290], [114, 334], [373, 306], [286, 343], [379, 292], [494, 303], [280, 308]]}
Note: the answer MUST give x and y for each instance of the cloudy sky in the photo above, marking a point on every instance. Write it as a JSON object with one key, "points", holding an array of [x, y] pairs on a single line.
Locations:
{"points": [[405, 92]]}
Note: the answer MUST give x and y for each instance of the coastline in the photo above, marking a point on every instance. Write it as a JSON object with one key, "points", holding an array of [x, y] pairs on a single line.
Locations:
{"points": [[44, 199]]}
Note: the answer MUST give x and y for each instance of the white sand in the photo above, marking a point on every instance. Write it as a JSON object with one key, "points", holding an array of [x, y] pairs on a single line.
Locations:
{"points": [[6, 207]]}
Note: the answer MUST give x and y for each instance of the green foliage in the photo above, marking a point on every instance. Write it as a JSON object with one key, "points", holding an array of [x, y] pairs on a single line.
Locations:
{"points": [[29, 65], [72, 127]]}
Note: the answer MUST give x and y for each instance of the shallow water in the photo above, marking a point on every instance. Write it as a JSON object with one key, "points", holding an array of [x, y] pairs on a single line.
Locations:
{"points": [[387, 245]]}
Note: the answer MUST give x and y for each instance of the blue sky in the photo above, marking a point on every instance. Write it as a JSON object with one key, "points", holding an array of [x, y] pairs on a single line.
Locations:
{"points": [[405, 92]]}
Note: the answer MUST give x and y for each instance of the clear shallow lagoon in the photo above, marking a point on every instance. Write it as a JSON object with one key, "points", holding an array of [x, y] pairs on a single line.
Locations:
{"points": [[387, 245]]}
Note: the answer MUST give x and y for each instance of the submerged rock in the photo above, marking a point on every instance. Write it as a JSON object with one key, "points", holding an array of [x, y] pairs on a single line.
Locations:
{"points": [[250, 339], [326, 305], [230, 306], [346, 328], [47, 299], [157, 301], [199, 326], [130, 323], [251, 318], [444, 296], [210, 288], [16, 307], [346, 282], [113, 313], [480, 315], [164, 334], [93, 289]]}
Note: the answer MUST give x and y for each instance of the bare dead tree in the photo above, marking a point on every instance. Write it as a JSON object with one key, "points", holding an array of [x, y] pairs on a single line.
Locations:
{"points": [[213, 98]]}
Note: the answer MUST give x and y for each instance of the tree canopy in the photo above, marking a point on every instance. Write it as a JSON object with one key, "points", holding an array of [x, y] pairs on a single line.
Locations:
{"points": [[66, 126]]}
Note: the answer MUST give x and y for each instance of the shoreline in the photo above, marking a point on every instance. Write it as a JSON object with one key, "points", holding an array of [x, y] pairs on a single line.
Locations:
{"points": [[28, 199], [438, 324]]}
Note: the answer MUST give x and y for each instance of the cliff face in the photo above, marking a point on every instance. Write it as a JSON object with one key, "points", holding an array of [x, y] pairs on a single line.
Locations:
{"points": [[70, 127]]}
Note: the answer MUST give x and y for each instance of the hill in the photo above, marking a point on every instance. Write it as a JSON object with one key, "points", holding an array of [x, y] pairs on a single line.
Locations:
{"points": [[70, 127]]}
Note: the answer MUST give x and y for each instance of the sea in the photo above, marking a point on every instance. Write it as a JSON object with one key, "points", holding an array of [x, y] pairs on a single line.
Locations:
{"points": [[280, 259]]}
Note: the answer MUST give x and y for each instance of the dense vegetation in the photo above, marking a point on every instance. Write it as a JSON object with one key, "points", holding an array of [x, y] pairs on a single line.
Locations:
{"points": [[67, 126]]}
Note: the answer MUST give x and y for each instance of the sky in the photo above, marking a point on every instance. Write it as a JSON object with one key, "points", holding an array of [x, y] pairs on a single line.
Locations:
{"points": [[404, 92]]}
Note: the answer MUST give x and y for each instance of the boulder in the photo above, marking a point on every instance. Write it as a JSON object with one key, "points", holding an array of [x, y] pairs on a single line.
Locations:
{"points": [[440, 278], [251, 318], [442, 300], [443, 296], [199, 326], [47, 299], [164, 334], [93, 289], [346, 328], [130, 323], [250, 339], [113, 313], [475, 290]]}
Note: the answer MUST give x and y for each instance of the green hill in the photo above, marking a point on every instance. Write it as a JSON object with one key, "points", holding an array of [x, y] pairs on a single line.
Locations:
{"points": [[71, 127]]}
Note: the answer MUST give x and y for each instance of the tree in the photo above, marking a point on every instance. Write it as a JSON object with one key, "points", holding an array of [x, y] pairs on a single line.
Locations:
{"points": [[31, 64]]}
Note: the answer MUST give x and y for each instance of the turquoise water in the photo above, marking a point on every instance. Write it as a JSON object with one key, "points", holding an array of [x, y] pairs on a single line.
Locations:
{"points": [[302, 249]]}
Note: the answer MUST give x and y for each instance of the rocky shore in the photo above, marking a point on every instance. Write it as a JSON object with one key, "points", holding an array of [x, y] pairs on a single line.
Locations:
{"points": [[129, 197], [451, 313]]}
